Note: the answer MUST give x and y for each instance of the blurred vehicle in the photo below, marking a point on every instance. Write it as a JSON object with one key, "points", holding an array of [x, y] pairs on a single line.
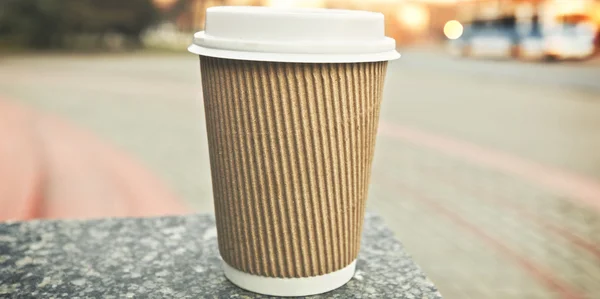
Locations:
{"points": [[532, 43], [488, 39], [572, 38]]}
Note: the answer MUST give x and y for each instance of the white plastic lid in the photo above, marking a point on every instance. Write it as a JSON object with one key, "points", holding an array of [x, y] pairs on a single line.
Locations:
{"points": [[294, 35]]}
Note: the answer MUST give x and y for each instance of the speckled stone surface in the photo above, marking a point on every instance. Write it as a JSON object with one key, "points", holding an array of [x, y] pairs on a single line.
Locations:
{"points": [[169, 257]]}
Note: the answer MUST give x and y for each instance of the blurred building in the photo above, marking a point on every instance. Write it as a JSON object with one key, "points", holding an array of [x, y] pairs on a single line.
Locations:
{"points": [[408, 21]]}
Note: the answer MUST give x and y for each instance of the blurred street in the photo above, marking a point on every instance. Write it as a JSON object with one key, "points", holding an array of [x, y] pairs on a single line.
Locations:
{"points": [[487, 171]]}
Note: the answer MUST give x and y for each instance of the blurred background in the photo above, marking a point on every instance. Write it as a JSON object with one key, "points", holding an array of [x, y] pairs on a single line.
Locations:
{"points": [[487, 165]]}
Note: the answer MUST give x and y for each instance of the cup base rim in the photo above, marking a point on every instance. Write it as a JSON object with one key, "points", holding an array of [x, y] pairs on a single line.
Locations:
{"points": [[289, 287]]}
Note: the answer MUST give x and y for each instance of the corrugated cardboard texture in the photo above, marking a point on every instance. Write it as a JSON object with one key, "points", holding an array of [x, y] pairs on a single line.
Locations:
{"points": [[291, 146]]}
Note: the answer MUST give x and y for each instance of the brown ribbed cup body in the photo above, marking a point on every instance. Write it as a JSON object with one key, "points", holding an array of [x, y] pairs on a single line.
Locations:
{"points": [[291, 146]]}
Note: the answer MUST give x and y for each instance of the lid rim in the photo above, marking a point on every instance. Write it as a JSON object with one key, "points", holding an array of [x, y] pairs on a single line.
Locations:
{"points": [[202, 39], [295, 57]]}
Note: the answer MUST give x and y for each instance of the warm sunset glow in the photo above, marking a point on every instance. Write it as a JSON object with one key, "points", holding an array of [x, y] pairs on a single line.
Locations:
{"points": [[414, 16], [163, 3], [571, 6], [296, 3]]}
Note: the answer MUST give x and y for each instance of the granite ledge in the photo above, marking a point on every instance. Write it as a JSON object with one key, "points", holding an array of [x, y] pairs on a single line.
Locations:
{"points": [[169, 257]]}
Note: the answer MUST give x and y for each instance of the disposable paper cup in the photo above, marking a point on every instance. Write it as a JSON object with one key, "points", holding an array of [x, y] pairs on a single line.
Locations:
{"points": [[292, 103]]}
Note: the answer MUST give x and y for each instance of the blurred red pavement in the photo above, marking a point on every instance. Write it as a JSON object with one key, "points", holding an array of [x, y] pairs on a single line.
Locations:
{"points": [[49, 169], [579, 189], [584, 190]]}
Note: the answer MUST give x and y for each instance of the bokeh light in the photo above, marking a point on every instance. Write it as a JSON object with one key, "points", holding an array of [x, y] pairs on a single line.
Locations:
{"points": [[453, 29], [414, 16]]}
